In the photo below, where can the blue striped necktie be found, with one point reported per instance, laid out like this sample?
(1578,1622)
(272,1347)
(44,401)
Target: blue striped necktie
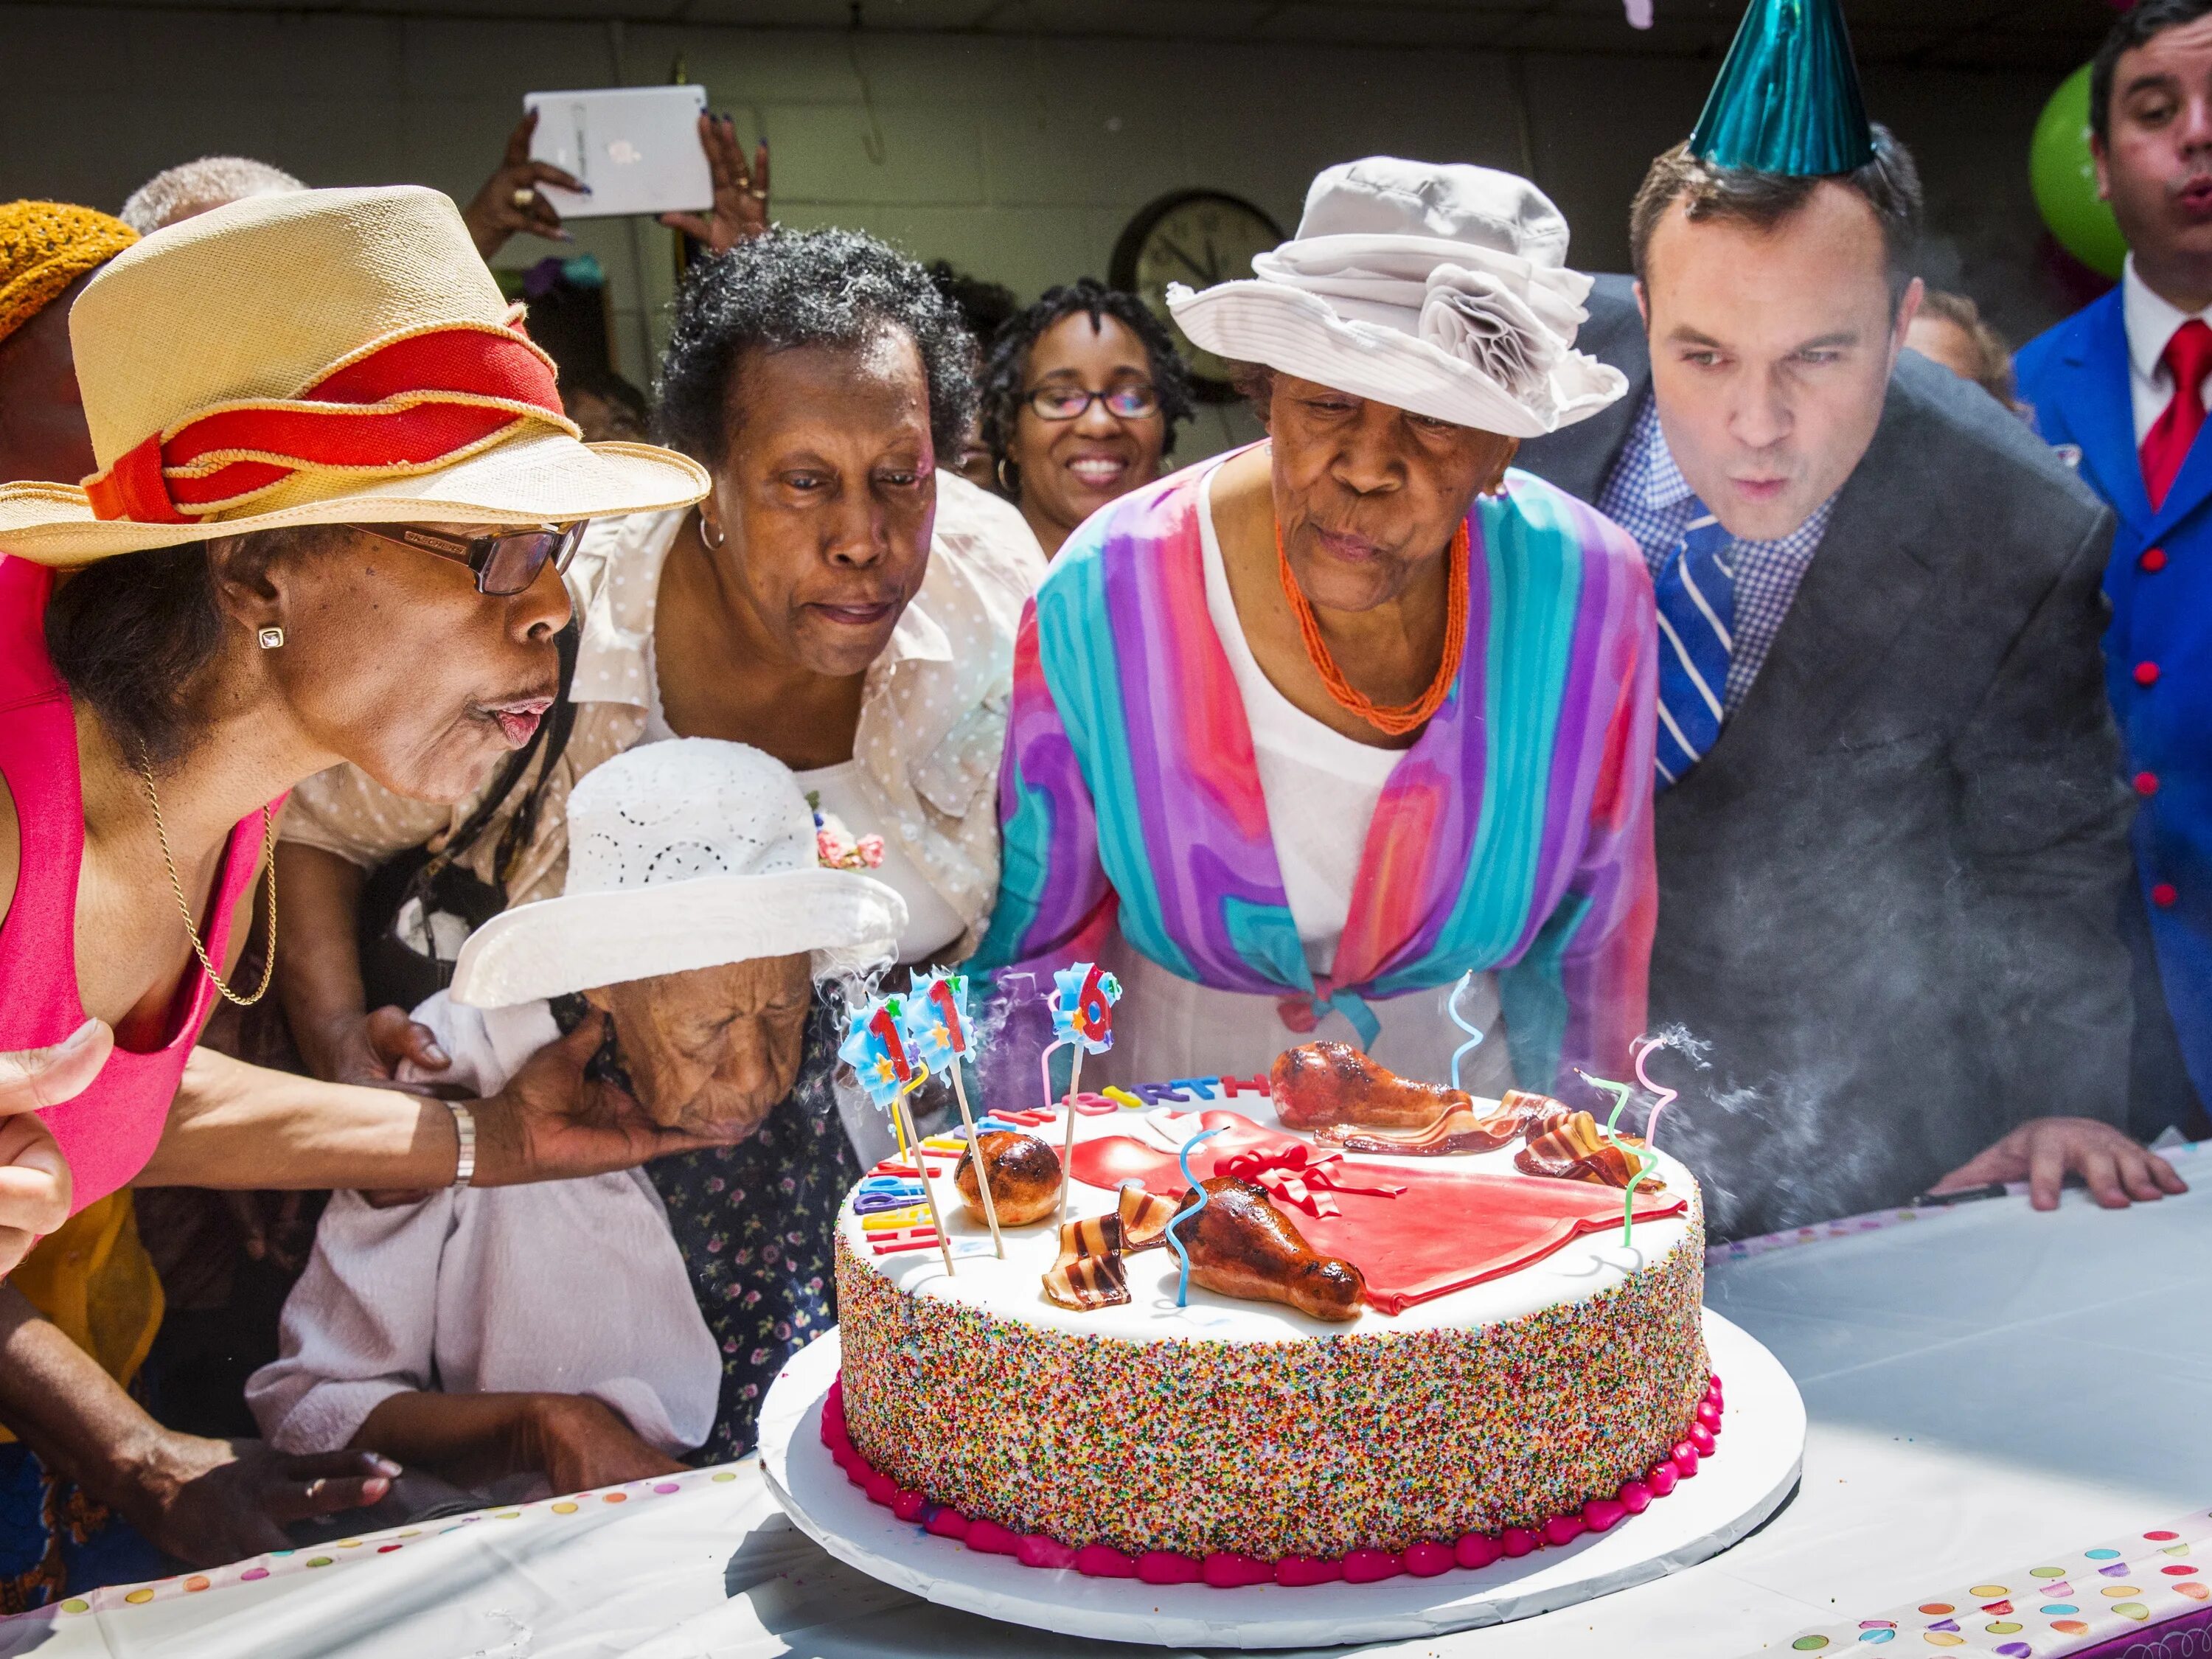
(1696,591)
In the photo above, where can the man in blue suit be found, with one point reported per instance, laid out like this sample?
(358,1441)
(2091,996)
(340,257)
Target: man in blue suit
(2122,384)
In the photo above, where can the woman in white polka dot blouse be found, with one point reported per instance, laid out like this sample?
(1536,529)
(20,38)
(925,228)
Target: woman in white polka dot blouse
(834,600)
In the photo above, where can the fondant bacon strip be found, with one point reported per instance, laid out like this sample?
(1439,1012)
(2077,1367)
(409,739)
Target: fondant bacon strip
(1568,1146)
(1088,1283)
(1144,1218)
(1140,1224)
(1094,1237)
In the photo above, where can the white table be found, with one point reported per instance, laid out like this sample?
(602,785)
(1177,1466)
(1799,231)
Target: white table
(1984,1385)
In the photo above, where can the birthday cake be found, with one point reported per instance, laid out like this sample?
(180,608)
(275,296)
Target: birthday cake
(1427,1335)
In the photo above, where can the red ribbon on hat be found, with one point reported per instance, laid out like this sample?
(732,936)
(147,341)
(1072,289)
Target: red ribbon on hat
(1297,1175)
(408,404)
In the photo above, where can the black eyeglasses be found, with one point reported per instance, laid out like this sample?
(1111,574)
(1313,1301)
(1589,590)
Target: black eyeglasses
(1132,400)
(503,565)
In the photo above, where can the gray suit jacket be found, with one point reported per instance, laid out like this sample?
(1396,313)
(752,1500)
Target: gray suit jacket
(1889,893)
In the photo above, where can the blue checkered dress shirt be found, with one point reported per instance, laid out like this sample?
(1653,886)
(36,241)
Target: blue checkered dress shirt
(1648,496)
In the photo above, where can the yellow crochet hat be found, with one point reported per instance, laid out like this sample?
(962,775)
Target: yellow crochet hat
(44,247)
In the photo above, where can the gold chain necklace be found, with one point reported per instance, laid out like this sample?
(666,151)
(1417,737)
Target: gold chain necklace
(269,863)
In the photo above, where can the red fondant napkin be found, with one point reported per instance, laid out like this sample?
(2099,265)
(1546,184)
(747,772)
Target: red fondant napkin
(1449,1229)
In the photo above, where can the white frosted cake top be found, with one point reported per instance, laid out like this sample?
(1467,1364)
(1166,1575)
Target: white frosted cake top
(1581,1267)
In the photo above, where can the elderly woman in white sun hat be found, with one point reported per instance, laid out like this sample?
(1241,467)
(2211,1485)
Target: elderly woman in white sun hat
(1302,736)
(334,485)
(576,1334)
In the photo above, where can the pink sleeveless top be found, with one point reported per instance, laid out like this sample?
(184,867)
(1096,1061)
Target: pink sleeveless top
(108,1132)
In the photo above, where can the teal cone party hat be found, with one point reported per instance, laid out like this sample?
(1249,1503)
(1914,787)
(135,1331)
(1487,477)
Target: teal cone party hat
(1787,100)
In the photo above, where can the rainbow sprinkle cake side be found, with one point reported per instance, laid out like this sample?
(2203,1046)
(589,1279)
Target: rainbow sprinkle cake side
(1373,1439)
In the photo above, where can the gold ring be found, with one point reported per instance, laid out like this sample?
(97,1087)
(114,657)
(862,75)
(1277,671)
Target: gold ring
(525,197)
(755,192)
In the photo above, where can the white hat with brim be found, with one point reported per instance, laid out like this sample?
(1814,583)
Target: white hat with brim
(847,921)
(1442,290)
(344,322)
(682,854)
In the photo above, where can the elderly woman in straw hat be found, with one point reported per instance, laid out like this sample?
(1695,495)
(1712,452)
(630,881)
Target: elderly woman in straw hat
(333,488)
(697,913)
(1303,737)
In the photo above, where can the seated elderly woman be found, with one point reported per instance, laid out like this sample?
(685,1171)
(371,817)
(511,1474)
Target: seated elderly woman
(837,600)
(519,1338)
(1301,736)
(1081,399)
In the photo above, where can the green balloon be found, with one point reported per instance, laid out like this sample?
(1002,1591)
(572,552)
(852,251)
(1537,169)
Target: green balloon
(2063,176)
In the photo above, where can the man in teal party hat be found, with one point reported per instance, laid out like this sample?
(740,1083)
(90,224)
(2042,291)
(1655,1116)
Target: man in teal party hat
(1891,834)
(2122,384)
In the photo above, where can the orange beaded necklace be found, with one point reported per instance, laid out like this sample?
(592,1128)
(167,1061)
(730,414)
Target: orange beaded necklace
(1393,722)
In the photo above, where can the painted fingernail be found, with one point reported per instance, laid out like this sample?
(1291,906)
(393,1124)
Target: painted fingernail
(385,1466)
(373,1490)
(434,1056)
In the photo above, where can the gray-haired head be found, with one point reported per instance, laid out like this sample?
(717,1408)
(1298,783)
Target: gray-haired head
(213,181)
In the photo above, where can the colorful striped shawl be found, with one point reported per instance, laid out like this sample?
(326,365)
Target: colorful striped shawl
(1516,834)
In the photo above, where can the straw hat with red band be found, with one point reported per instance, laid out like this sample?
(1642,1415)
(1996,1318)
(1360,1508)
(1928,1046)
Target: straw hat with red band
(320,357)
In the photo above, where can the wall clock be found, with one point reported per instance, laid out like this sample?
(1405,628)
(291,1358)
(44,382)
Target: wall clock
(1197,237)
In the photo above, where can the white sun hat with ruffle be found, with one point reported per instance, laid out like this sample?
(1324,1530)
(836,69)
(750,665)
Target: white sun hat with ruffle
(1441,289)
(682,854)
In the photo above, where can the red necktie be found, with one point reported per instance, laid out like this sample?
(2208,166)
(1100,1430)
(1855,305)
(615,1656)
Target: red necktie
(2188,359)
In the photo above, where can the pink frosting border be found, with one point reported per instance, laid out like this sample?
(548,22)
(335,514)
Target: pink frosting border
(1224,1571)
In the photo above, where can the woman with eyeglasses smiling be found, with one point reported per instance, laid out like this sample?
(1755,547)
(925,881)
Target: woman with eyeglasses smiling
(1081,399)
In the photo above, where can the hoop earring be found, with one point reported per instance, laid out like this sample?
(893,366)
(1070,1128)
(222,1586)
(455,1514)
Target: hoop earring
(270,638)
(1006,484)
(719,537)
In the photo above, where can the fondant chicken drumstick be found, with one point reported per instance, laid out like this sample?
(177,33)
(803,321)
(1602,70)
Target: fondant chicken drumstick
(1321,1083)
(1241,1245)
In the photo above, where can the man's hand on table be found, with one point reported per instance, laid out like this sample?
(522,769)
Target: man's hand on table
(211,1501)
(2116,1168)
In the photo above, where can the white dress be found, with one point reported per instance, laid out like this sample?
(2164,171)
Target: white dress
(1321,788)
(559,1286)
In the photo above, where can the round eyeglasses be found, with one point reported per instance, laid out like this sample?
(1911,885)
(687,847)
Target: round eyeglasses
(1132,400)
(503,565)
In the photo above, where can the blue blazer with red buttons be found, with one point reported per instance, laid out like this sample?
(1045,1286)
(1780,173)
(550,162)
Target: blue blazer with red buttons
(2158,649)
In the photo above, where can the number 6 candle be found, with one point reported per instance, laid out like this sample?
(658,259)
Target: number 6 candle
(1081,1001)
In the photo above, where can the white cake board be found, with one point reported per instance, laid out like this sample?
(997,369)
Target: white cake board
(1748,1478)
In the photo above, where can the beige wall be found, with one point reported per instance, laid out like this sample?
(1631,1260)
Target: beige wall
(1019,158)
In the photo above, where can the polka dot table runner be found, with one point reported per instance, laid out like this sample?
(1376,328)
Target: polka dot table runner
(348,1552)
(2143,1597)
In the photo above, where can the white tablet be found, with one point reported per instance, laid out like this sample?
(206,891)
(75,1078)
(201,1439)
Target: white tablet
(637,147)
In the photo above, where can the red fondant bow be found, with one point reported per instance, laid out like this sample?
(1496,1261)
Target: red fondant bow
(1298,1174)
(422,401)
